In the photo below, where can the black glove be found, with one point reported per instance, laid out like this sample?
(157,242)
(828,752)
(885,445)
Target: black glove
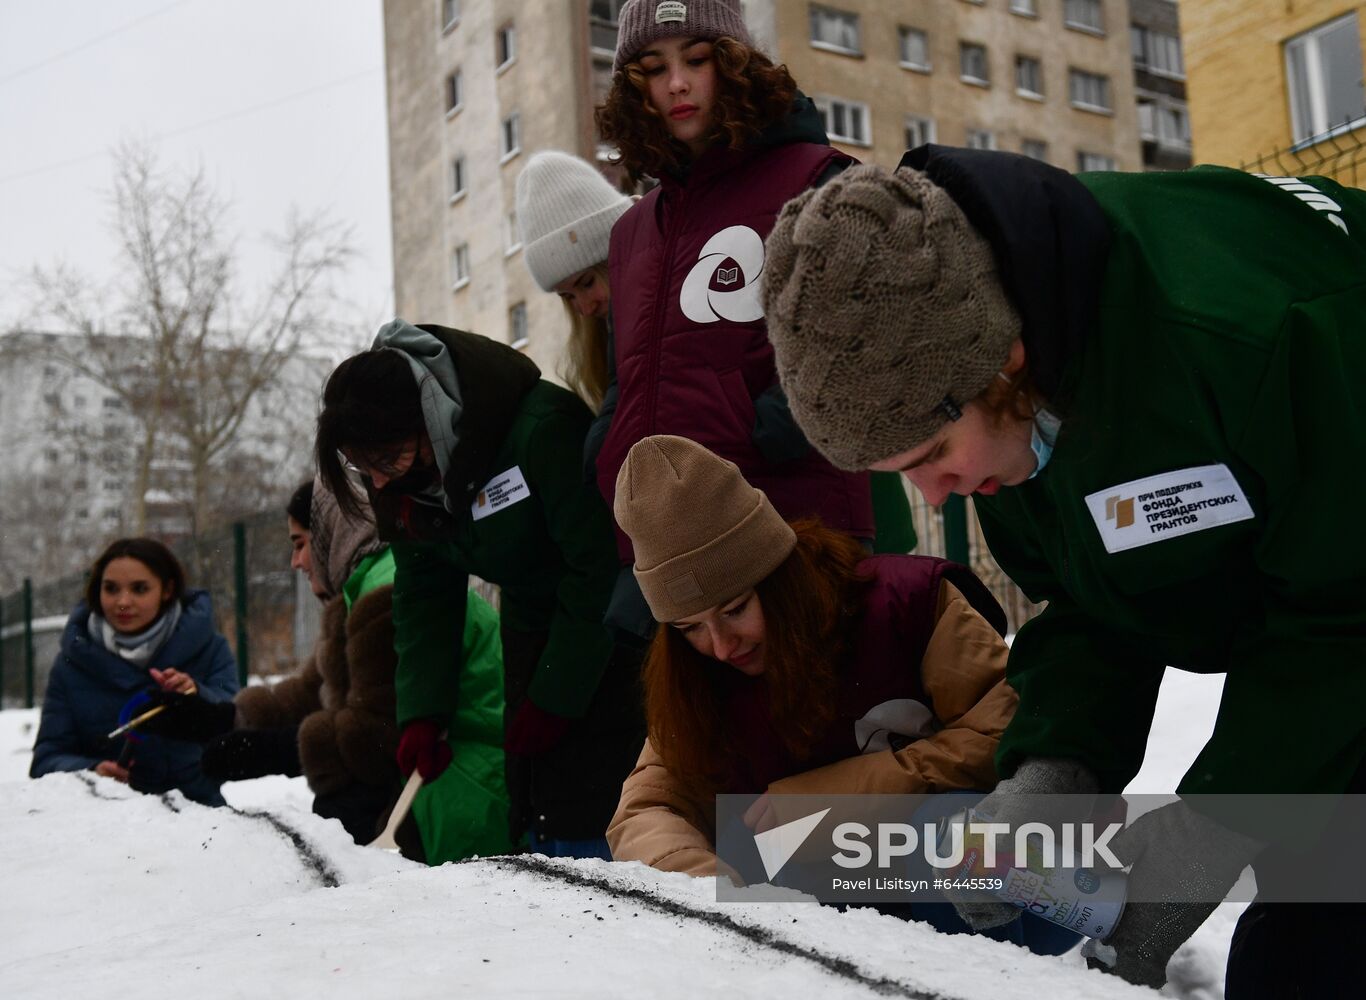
(188,717)
(252,753)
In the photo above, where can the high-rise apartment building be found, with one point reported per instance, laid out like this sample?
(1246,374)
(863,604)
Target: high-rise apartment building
(1164,125)
(1272,75)
(476,86)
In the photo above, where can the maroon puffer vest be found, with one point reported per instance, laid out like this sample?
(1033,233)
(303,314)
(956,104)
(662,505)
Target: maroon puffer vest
(692,349)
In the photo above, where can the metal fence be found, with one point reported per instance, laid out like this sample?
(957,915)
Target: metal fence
(1339,154)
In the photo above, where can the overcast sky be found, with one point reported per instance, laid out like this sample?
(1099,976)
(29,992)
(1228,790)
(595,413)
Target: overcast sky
(280,101)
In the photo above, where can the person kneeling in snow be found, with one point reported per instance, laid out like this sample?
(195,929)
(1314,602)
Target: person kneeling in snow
(782,643)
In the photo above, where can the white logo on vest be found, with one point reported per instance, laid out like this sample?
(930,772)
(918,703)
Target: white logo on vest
(702,303)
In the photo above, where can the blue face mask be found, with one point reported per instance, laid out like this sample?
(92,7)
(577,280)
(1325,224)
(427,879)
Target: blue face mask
(1043,434)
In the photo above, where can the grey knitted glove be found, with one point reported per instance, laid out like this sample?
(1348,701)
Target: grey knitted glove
(1015,802)
(1186,863)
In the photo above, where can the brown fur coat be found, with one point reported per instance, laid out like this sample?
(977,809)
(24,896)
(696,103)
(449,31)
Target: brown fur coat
(341,697)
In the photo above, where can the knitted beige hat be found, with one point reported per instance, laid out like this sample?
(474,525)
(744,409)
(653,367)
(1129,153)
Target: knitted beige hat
(702,535)
(885,311)
(644,21)
(565,214)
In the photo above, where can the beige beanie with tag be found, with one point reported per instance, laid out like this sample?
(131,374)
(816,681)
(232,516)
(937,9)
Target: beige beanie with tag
(702,534)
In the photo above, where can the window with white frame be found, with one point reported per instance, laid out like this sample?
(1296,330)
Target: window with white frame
(458,179)
(1029,8)
(1035,149)
(1157,52)
(510,137)
(603,16)
(972,64)
(919,130)
(506,47)
(455,92)
(1324,69)
(1164,121)
(512,236)
(1088,15)
(517,326)
(460,266)
(914,49)
(845,121)
(450,14)
(836,30)
(980,138)
(1094,161)
(1028,76)
(1089,91)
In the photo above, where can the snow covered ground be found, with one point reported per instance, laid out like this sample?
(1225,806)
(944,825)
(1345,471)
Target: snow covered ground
(106,891)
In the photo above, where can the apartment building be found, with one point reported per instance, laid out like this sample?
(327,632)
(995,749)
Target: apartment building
(1277,75)
(476,86)
(1160,84)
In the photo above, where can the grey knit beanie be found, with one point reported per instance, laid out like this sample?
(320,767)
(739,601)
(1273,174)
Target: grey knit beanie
(644,21)
(702,535)
(885,311)
(565,214)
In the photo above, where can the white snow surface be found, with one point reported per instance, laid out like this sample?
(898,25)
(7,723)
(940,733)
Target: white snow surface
(107,891)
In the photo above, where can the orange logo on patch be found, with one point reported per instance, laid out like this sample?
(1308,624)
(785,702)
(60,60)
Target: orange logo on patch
(1120,510)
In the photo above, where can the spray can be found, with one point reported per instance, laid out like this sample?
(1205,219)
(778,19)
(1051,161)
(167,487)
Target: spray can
(1089,901)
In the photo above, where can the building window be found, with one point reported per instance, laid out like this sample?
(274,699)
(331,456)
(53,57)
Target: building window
(506,52)
(112,403)
(511,141)
(918,131)
(457,179)
(78,401)
(835,30)
(1028,77)
(512,236)
(1089,91)
(1165,123)
(1085,15)
(460,266)
(914,49)
(602,26)
(1035,149)
(455,93)
(450,14)
(972,64)
(980,138)
(1324,70)
(845,121)
(1029,8)
(1157,52)
(517,326)
(1094,161)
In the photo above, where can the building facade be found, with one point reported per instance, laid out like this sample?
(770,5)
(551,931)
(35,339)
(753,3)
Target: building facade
(1164,126)
(1277,76)
(476,86)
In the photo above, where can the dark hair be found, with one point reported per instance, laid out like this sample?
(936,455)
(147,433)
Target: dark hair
(148,551)
(810,603)
(300,506)
(370,405)
(751,94)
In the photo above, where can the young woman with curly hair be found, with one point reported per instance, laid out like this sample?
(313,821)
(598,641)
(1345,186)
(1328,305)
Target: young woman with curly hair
(790,662)
(730,138)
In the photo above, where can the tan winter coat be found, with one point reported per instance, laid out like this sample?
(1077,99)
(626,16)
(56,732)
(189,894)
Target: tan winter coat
(963,675)
(342,698)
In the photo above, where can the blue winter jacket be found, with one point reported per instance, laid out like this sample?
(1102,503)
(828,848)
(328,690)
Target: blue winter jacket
(89,685)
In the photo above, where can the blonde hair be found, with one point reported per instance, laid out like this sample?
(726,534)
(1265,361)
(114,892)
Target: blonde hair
(586,362)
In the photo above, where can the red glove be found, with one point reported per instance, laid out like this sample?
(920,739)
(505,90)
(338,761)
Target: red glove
(420,746)
(534,730)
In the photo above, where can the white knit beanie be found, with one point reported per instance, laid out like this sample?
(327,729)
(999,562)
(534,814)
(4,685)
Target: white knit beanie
(565,211)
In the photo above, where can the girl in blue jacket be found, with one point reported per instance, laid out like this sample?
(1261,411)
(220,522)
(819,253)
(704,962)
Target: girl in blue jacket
(137,620)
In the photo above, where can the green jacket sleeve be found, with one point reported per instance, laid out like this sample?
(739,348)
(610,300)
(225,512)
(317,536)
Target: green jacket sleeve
(1306,664)
(430,581)
(580,527)
(1085,693)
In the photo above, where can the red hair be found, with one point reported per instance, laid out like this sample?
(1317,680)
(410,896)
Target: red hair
(810,604)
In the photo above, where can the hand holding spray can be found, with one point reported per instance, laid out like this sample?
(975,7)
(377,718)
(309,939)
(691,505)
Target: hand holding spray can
(1085,899)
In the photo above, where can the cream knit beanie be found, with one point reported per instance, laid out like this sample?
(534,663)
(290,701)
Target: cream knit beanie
(565,214)
(702,535)
(885,310)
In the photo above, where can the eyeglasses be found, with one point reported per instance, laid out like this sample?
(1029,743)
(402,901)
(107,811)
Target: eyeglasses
(404,459)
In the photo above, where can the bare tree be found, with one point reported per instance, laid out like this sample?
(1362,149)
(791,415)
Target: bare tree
(186,353)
